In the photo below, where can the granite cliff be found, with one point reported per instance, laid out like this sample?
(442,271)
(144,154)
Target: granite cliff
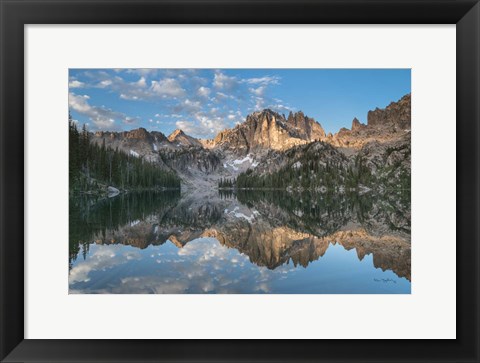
(268,141)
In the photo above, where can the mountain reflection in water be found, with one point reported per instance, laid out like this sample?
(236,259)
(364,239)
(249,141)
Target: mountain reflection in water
(244,242)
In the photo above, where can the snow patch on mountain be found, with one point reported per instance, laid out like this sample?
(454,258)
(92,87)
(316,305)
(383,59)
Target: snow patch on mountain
(241,161)
(244,163)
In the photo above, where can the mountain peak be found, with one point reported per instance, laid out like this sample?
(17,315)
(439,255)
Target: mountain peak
(356,125)
(268,110)
(307,127)
(181,138)
(267,129)
(176,133)
(396,113)
(265,112)
(140,133)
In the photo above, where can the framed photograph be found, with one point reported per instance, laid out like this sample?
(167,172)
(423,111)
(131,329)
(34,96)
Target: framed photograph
(239,181)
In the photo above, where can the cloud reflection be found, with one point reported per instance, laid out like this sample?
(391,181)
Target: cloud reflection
(102,259)
(206,266)
(191,269)
(186,247)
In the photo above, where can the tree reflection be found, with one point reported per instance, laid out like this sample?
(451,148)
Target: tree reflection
(272,228)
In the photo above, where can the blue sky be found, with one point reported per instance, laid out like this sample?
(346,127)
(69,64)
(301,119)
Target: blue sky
(203,102)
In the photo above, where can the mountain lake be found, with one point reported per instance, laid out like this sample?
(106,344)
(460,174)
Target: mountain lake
(241,242)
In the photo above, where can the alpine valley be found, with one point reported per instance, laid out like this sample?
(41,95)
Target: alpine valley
(277,151)
(273,205)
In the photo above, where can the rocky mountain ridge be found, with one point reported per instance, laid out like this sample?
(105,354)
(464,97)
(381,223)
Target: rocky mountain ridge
(267,141)
(179,138)
(383,125)
(268,130)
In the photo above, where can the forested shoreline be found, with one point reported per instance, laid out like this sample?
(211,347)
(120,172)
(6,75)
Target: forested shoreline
(311,173)
(93,168)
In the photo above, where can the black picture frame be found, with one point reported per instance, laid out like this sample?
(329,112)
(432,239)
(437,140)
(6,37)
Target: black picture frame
(15,14)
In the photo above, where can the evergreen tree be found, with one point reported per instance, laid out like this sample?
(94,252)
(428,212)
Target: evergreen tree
(90,164)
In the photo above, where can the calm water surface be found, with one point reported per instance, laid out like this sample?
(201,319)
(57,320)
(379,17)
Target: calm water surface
(248,242)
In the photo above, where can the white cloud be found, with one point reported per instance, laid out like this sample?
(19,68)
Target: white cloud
(203,91)
(172,115)
(124,96)
(222,81)
(188,106)
(235,88)
(167,87)
(220,96)
(190,127)
(142,82)
(105,83)
(182,94)
(127,90)
(258,91)
(262,80)
(103,118)
(204,125)
(76,84)
(259,103)
(143,71)
(141,89)
(281,108)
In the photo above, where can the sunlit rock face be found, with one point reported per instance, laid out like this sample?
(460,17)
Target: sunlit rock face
(397,114)
(388,125)
(347,195)
(179,138)
(267,141)
(269,130)
(357,125)
(305,127)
